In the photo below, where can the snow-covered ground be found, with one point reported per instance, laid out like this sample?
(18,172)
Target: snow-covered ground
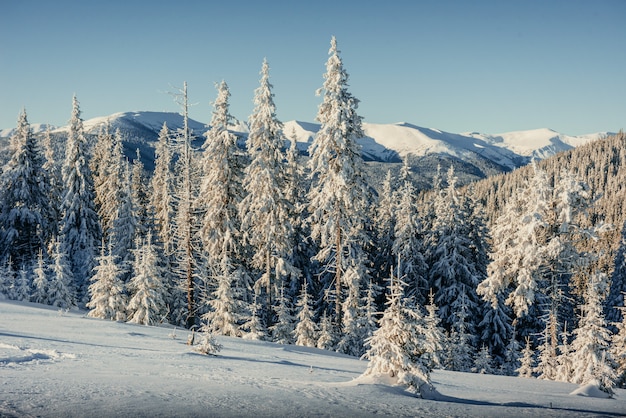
(63,364)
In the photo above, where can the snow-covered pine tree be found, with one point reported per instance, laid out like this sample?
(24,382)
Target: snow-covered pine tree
(162,190)
(108,299)
(52,168)
(23,287)
(527,362)
(517,254)
(61,291)
(283,330)
(385,225)
(80,227)
(7,278)
(591,356)
(453,274)
(146,288)
(461,345)
(434,333)
(618,347)
(339,195)
(254,328)
(25,211)
(547,363)
(483,363)
(110,184)
(353,334)
(565,366)
(397,349)
(512,356)
(139,195)
(101,165)
(407,243)
(219,230)
(306,330)
(495,330)
(264,211)
(326,339)
(40,281)
(124,227)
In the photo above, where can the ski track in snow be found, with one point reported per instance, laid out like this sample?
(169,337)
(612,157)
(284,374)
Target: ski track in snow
(63,364)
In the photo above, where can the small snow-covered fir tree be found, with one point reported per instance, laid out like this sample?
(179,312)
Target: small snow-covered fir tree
(398,347)
(326,339)
(22,289)
(512,355)
(61,291)
(434,333)
(147,301)
(591,356)
(527,362)
(547,360)
(461,348)
(225,311)
(162,189)
(7,278)
(208,344)
(483,361)
(283,330)
(306,329)
(495,329)
(108,300)
(254,328)
(40,281)
(565,366)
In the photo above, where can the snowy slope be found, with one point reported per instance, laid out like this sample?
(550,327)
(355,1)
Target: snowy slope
(63,364)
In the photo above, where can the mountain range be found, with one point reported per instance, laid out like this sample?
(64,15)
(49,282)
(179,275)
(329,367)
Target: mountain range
(476,154)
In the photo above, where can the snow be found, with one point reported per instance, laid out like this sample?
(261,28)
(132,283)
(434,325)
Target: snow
(539,143)
(58,363)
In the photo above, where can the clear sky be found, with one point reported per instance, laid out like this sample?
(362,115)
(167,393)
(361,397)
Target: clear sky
(487,66)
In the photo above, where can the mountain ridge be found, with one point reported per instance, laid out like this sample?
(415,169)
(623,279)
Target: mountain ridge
(485,154)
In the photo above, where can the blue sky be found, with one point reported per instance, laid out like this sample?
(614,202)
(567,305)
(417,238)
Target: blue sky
(487,66)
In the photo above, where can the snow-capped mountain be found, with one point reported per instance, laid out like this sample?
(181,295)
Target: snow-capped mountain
(480,154)
(36,127)
(537,143)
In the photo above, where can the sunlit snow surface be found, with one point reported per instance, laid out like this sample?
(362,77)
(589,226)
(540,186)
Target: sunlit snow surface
(63,364)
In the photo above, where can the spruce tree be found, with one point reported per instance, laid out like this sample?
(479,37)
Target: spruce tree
(283,330)
(306,330)
(80,227)
(108,300)
(219,229)
(591,356)
(146,288)
(40,281)
(25,211)
(264,211)
(398,347)
(527,361)
(61,290)
(407,244)
(339,195)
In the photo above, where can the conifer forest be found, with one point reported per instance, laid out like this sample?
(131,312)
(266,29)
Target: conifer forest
(521,273)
